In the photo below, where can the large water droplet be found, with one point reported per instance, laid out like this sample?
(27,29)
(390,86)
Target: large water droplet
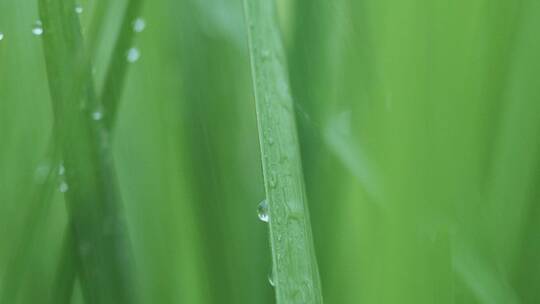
(37,30)
(139,25)
(262,211)
(63,187)
(133,54)
(1,36)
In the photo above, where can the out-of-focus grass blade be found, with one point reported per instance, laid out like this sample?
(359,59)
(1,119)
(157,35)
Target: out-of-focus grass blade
(101,240)
(66,273)
(295,271)
(116,72)
(40,198)
(64,282)
(65,277)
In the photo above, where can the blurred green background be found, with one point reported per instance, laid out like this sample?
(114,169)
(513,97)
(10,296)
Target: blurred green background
(419,123)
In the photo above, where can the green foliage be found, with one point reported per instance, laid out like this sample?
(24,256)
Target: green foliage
(417,121)
(294,272)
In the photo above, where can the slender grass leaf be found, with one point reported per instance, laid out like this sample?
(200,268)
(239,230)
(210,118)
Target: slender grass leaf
(295,268)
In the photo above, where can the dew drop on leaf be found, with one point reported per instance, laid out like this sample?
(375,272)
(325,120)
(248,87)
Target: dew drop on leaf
(78,9)
(37,30)
(271,278)
(262,211)
(63,187)
(133,54)
(97,115)
(139,25)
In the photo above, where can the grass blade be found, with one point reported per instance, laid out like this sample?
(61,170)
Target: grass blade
(93,200)
(66,272)
(116,72)
(296,276)
(41,198)
(66,275)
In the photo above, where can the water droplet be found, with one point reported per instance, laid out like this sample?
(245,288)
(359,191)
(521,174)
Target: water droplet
(78,9)
(42,171)
(271,279)
(97,115)
(262,211)
(61,169)
(1,36)
(139,25)
(133,54)
(63,187)
(37,30)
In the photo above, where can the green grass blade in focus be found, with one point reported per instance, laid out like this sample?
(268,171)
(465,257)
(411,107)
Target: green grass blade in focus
(295,271)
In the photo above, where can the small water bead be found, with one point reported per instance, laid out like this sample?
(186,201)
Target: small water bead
(262,211)
(61,169)
(1,36)
(139,25)
(37,30)
(271,279)
(133,54)
(63,187)
(97,115)
(79,9)
(42,171)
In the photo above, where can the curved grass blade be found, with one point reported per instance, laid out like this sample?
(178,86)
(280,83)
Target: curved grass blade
(93,200)
(296,276)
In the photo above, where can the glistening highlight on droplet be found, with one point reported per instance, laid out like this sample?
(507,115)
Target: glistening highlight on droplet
(133,54)
(97,115)
(78,9)
(139,25)
(63,187)
(37,30)
(262,211)
(271,278)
